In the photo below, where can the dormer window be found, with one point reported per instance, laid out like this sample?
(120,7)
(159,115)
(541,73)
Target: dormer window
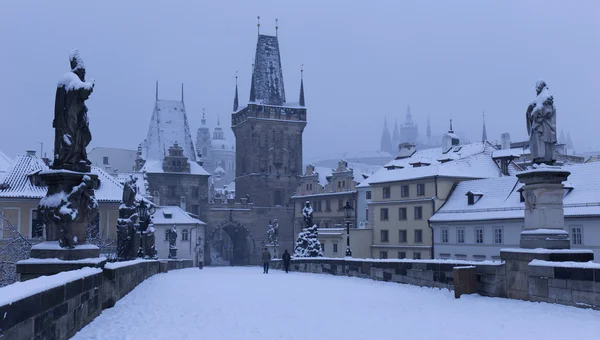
(473,197)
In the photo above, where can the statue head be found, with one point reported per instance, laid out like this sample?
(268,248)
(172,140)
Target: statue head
(77,65)
(539,86)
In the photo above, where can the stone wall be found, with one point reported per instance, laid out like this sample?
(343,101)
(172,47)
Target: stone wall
(55,313)
(73,302)
(491,280)
(120,278)
(180,264)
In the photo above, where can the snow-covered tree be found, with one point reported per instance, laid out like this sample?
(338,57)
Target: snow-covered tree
(307,244)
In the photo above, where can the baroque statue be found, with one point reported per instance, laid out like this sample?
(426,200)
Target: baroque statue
(541,126)
(72,132)
(307,213)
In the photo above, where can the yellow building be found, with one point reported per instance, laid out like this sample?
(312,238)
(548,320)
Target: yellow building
(20,194)
(412,187)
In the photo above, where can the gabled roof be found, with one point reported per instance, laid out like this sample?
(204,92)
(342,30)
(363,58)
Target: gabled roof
(17,181)
(171,215)
(267,75)
(168,125)
(501,197)
(462,161)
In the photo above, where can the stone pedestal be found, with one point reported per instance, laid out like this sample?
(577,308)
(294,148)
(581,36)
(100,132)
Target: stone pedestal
(273,249)
(543,192)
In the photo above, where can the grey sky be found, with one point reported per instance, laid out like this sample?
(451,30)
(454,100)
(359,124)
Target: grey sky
(363,61)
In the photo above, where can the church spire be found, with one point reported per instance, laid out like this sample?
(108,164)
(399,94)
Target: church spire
(428,129)
(386,140)
(408,115)
(157,90)
(252,92)
(451,130)
(301,101)
(235,99)
(182,92)
(484,133)
(203,117)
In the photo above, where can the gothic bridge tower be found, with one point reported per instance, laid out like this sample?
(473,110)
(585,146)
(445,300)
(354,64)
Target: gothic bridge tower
(268,132)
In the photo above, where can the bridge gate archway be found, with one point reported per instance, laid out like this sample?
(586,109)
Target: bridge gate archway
(230,243)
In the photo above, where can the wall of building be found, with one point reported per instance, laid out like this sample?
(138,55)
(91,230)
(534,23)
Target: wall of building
(511,235)
(186,249)
(184,185)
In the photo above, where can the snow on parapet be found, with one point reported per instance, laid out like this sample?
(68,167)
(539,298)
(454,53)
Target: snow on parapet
(168,125)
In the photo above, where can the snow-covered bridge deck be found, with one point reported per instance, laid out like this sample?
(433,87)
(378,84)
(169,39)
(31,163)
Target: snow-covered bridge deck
(243,303)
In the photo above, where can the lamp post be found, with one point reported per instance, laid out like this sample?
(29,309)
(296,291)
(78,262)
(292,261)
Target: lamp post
(142,214)
(348,211)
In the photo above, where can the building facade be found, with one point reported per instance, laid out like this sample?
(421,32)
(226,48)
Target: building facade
(190,233)
(412,187)
(484,216)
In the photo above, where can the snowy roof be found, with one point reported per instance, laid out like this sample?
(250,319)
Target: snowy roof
(5,162)
(171,215)
(462,161)
(267,76)
(19,185)
(501,198)
(353,155)
(359,172)
(168,125)
(508,153)
(157,167)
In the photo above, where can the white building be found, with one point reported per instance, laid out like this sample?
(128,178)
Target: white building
(190,233)
(483,216)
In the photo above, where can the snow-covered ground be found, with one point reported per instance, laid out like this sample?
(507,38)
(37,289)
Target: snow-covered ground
(243,303)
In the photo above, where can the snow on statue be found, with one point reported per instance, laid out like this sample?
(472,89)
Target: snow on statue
(307,244)
(541,125)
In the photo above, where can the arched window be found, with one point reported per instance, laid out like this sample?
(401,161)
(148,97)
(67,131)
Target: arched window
(184,235)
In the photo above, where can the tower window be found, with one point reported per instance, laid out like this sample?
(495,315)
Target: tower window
(105,160)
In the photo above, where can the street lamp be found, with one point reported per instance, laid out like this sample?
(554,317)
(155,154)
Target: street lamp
(348,210)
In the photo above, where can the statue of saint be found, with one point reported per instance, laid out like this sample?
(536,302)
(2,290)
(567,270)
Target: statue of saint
(307,213)
(129,192)
(541,126)
(72,132)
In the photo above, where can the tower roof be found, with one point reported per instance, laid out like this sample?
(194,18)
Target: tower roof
(267,75)
(168,125)
(484,133)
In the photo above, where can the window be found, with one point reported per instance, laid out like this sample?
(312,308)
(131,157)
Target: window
(498,235)
(277,197)
(368,193)
(184,235)
(384,236)
(335,248)
(383,254)
(167,231)
(195,192)
(171,191)
(105,160)
(417,255)
(444,235)
(340,204)
(402,236)
(308,186)
(37,227)
(478,235)
(383,214)
(402,214)
(323,247)
(576,235)
(418,236)
(195,209)
(401,254)
(420,189)
(387,192)
(460,235)
(328,205)
(320,205)
(404,191)
(418,213)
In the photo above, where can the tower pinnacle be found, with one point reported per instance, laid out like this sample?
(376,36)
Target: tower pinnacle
(157,90)
(301,100)
(235,99)
(258,23)
(276,27)
(484,133)
(203,117)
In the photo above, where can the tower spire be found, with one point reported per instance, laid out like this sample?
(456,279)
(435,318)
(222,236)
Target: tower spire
(252,91)
(258,24)
(484,133)
(301,101)
(182,92)
(428,129)
(451,130)
(235,99)
(276,27)
(203,117)
(157,90)
(408,114)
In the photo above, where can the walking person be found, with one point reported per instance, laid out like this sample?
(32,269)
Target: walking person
(266,257)
(286,260)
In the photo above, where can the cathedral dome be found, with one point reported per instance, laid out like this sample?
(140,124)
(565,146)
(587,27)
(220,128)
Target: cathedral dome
(222,144)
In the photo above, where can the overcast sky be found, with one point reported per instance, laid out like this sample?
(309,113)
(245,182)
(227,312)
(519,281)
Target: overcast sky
(363,61)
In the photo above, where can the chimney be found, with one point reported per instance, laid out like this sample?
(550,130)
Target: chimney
(505,141)
(30,152)
(183,204)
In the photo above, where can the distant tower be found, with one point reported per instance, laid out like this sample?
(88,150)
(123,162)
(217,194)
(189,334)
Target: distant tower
(204,144)
(484,133)
(428,131)
(268,133)
(409,130)
(569,141)
(386,140)
(562,139)
(395,135)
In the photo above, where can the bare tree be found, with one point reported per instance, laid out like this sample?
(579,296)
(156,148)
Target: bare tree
(15,247)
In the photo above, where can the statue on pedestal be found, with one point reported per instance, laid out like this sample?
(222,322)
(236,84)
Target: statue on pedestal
(72,132)
(127,224)
(541,126)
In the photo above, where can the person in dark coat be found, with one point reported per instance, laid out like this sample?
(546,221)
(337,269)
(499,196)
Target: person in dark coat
(266,258)
(286,260)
